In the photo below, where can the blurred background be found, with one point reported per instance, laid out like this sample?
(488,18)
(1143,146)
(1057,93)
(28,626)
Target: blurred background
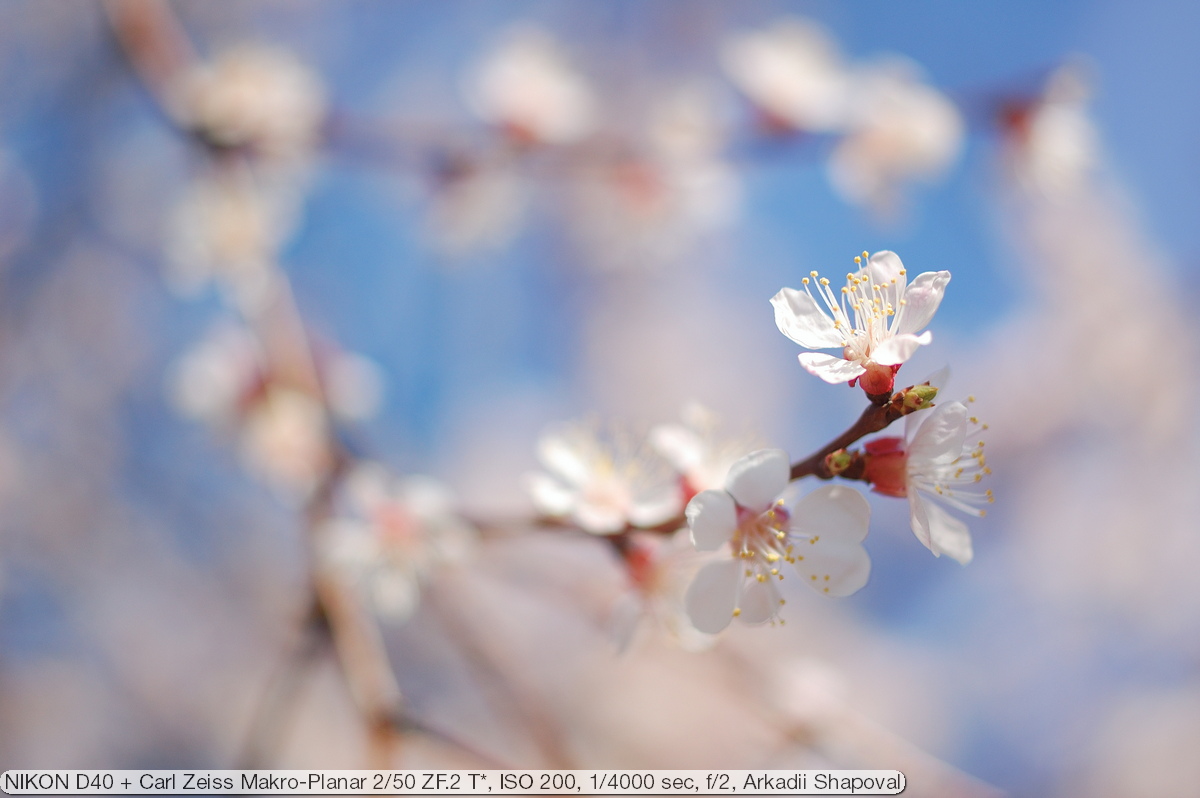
(248,247)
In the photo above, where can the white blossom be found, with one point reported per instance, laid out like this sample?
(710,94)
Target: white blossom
(876,320)
(758,518)
(389,534)
(1054,144)
(603,481)
(940,463)
(255,96)
(529,88)
(899,130)
(793,72)
(695,449)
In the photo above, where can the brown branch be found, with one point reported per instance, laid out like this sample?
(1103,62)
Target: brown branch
(875,418)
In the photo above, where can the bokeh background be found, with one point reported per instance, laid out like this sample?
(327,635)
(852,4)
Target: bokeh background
(151,579)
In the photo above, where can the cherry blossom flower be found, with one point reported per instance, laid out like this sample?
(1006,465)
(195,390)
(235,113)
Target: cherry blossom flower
(254,96)
(1053,144)
(528,88)
(648,206)
(285,440)
(899,130)
(696,451)
(793,72)
(758,517)
(389,534)
(939,461)
(284,431)
(875,321)
(603,481)
(228,228)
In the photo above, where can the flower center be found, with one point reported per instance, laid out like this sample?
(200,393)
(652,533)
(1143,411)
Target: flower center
(762,540)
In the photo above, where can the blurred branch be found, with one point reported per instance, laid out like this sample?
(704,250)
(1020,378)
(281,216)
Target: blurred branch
(156,45)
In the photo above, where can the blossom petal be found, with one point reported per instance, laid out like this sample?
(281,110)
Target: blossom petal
(562,453)
(549,495)
(939,440)
(899,348)
(833,567)
(918,518)
(921,300)
(681,446)
(832,511)
(829,368)
(759,601)
(798,316)
(599,518)
(653,508)
(712,596)
(757,479)
(885,266)
(712,518)
(939,531)
(949,535)
(832,560)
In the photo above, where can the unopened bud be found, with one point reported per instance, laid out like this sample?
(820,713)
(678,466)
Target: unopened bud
(919,396)
(837,462)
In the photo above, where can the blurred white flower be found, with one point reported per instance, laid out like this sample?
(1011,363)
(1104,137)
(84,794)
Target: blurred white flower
(285,439)
(793,72)
(215,379)
(389,534)
(603,480)
(528,88)
(1054,146)
(254,96)
(660,569)
(228,228)
(875,320)
(941,462)
(644,208)
(899,130)
(758,517)
(221,378)
(696,451)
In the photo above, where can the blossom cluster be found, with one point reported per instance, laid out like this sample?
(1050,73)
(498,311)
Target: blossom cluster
(742,506)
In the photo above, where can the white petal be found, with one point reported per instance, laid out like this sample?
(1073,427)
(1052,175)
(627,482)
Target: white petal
(885,266)
(832,560)
(712,519)
(759,601)
(921,301)
(681,446)
(832,511)
(798,316)
(549,495)
(948,535)
(757,479)
(918,517)
(899,348)
(829,368)
(940,438)
(652,509)
(833,567)
(562,455)
(712,595)
(599,518)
